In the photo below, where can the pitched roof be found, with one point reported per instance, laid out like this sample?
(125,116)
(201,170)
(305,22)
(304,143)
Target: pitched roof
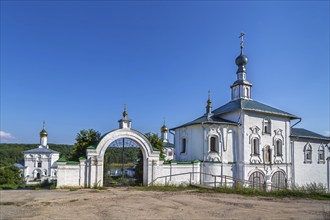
(207,120)
(251,105)
(301,132)
(41,150)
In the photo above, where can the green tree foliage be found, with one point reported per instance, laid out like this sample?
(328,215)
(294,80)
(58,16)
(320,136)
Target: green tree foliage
(84,139)
(156,143)
(114,155)
(10,175)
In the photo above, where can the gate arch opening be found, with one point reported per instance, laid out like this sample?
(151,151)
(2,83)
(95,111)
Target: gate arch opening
(95,157)
(123,164)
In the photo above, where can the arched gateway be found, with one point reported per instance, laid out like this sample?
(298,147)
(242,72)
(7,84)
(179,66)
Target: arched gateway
(88,172)
(95,157)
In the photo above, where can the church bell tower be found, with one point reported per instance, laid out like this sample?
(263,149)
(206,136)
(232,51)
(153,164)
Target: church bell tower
(241,88)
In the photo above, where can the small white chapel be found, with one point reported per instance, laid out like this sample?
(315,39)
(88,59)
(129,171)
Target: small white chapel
(40,162)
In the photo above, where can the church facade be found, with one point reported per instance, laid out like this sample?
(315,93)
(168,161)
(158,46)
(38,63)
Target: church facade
(253,142)
(40,162)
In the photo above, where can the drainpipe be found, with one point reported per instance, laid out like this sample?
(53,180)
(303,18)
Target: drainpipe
(328,173)
(296,123)
(293,174)
(202,167)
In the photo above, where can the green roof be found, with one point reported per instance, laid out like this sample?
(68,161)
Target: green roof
(62,159)
(301,132)
(251,105)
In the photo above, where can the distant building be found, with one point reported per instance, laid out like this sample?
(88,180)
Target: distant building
(40,162)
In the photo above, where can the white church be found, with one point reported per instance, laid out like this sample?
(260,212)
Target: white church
(40,162)
(241,142)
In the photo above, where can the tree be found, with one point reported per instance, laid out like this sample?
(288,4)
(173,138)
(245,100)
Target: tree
(10,175)
(155,141)
(84,139)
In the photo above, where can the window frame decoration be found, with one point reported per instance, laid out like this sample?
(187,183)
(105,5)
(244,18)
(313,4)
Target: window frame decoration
(255,146)
(279,147)
(254,141)
(213,145)
(279,150)
(308,153)
(267,126)
(321,154)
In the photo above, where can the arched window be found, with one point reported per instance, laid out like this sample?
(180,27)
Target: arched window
(308,154)
(183,145)
(267,154)
(278,145)
(257,180)
(321,154)
(255,146)
(266,128)
(213,144)
(278,180)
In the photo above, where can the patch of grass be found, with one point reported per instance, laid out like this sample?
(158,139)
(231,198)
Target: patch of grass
(165,188)
(7,203)
(73,200)
(71,188)
(10,186)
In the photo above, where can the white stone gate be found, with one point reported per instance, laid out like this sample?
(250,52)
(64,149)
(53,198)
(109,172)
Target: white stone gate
(95,157)
(88,172)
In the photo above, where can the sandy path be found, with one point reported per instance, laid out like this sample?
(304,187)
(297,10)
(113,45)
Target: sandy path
(124,203)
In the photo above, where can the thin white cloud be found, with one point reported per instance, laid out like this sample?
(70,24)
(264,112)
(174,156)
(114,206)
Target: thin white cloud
(6,136)
(327,133)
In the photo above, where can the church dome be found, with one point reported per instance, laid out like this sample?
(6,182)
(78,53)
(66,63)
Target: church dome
(241,60)
(163,129)
(43,133)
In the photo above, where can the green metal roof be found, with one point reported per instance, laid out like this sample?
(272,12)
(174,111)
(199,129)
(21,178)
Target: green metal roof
(301,132)
(251,105)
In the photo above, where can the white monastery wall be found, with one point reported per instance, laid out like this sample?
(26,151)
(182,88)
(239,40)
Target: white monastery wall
(314,170)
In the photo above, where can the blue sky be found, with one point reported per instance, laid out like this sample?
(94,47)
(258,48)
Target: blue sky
(75,63)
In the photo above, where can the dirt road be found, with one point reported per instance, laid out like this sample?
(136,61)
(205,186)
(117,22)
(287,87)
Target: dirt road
(125,203)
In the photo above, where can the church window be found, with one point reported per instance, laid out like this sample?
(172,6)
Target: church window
(39,164)
(257,180)
(183,145)
(267,154)
(255,146)
(278,144)
(266,126)
(308,153)
(213,144)
(321,154)
(278,180)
